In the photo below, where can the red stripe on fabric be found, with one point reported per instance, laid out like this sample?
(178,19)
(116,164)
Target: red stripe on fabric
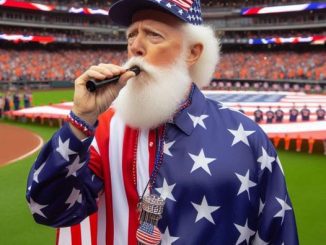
(57,236)
(102,137)
(151,150)
(95,163)
(129,156)
(76,235)
(93,224)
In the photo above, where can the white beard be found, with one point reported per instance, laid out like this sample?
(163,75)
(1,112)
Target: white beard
(151,98)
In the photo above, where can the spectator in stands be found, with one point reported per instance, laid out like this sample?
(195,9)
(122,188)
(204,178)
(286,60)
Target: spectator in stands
(305,113)
(293,114)
(270,115)
(320,112)
(279,114)
(259,115)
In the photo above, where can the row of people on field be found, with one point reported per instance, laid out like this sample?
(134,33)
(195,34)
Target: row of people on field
(14,101)
(266,86)
(277,116)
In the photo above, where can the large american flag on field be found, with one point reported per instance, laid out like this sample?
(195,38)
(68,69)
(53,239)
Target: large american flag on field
(221,178)
(246,100)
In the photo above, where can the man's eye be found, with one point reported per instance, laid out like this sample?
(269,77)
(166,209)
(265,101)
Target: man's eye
(131,35)
(154,34)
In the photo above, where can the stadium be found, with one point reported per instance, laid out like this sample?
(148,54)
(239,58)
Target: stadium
(272,68)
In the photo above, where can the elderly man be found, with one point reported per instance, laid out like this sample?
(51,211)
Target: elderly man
(156,133)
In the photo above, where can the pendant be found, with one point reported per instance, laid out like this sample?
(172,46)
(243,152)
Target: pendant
(151,209)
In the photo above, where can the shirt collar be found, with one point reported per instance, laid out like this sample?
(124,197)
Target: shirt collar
(197,105)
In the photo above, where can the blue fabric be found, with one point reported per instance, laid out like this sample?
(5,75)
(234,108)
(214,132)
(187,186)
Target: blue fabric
(222,179)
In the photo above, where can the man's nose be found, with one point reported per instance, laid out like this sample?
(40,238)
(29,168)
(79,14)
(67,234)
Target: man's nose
(137,47)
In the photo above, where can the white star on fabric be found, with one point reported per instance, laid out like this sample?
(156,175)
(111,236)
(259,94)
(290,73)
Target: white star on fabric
(159,1)
(36,208)
(75,196)
(169,5)
(167,147)
(37,172)
(240,135)
(166,191)
(201,161)
(246,183)
(266,160)
(180,11)
(64,149)
(279,164)
(245,233)
(258,241)
(204,210)
(74,167)
(167,239)
(284,207)
(198,120)
(261,207)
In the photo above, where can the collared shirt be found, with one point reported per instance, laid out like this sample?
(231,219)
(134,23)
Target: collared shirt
(221,178)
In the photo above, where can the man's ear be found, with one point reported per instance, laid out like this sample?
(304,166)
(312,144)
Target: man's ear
(194,53)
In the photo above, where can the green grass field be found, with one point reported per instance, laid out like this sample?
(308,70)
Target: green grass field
(305,175)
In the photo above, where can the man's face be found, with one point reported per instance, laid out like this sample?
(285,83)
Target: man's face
(158,43)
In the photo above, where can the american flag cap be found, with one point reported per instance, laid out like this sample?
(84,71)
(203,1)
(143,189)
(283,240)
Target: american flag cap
(188,11)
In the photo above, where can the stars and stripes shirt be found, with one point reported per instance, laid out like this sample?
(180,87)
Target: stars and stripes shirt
(221,178)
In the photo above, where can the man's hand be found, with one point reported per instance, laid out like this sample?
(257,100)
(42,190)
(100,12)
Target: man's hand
(89,105)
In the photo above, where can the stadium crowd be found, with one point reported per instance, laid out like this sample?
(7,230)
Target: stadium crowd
(67,64)
(273,65)
(58,65)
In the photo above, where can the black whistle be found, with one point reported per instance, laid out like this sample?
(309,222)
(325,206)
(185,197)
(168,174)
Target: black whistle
(92,85)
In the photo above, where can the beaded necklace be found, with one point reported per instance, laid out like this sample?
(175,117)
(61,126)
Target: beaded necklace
(151,206)
(160,147)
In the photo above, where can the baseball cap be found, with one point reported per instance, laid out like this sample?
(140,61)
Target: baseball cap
(188,11)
